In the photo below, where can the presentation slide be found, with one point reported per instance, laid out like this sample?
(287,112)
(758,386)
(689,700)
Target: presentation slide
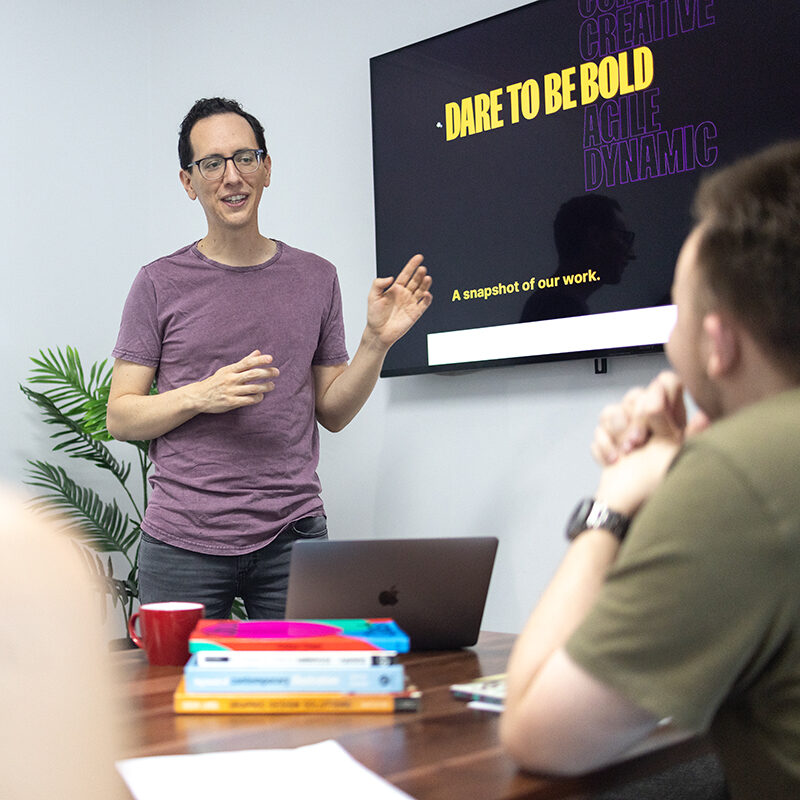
(544,161)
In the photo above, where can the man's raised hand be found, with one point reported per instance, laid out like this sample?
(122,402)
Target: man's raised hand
(395,304)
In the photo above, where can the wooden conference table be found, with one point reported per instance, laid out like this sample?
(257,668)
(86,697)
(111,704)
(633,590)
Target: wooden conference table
(444,751)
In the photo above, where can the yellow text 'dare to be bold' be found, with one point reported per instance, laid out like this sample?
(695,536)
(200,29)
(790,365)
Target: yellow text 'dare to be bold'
(623,73)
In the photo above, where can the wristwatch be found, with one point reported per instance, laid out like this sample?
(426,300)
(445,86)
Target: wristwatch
(591,513)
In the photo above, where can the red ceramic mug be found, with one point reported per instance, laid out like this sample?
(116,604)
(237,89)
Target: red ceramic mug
(166,628)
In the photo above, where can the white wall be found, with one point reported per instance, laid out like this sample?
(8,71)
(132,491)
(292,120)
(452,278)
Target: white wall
(94,91)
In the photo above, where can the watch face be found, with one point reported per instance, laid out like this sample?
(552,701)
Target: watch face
(592,514)
(577,521)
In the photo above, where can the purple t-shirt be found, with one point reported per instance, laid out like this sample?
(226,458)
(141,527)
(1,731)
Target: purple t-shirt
(229,483)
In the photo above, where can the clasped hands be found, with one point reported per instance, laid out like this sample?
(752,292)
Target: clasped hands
(636,440)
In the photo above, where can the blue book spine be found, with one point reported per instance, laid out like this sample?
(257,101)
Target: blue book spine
(369,680)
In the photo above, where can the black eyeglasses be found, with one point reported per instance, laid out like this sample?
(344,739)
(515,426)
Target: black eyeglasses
(213,167)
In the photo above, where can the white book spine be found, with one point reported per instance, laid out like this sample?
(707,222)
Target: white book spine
(262,659)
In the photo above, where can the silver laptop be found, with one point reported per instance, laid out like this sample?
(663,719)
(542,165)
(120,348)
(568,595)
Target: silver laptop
(435,589)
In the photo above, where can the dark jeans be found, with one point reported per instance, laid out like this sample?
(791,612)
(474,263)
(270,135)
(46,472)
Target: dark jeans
(260,578)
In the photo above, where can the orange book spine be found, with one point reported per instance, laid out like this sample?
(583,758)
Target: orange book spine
(300,703)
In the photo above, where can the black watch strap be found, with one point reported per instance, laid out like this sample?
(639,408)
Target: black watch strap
(591,514)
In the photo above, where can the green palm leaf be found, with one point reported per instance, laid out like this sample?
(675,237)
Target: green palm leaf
(101,525)
(74,402)
(64,372)
(75,441)
(94,416)
(71,392)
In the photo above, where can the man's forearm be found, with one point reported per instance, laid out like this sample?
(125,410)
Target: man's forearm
(351,388)
(544,689)
(559,717)
(134,414)
(561,609)
(624,486)
(133,417)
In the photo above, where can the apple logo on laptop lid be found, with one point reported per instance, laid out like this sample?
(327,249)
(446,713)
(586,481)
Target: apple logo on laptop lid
(388,597)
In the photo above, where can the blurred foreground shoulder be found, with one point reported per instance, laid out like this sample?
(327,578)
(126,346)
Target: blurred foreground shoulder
(58,729)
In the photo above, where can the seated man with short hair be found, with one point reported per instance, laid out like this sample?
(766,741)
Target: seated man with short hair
(692,613)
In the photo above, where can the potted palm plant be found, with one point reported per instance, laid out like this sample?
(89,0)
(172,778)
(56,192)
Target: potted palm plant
(74,403)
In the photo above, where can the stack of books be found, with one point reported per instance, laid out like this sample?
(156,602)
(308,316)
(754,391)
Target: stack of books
(295,667)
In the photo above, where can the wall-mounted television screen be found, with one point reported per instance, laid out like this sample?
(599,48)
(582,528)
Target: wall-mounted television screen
(544,160)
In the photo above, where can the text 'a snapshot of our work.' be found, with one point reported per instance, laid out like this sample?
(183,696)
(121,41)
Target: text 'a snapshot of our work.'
(528,285)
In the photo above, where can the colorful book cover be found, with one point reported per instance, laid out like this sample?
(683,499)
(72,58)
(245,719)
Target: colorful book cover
(491,689)
(185,702)
(269,659)
(288,634)
(364,680)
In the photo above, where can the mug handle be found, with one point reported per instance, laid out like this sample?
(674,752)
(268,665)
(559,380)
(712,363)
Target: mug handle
(132,630)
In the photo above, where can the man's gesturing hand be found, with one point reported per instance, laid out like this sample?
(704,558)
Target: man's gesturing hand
(241,384)
(395,304)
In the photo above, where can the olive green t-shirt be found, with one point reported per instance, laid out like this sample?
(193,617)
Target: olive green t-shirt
(699,619)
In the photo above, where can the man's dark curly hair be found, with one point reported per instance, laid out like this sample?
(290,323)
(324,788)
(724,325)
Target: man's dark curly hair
(208,107)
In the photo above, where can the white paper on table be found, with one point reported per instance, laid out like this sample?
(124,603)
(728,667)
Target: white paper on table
(318,770)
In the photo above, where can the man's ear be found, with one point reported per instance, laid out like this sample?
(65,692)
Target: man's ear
(722,344)
(267,169)
(186,180)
